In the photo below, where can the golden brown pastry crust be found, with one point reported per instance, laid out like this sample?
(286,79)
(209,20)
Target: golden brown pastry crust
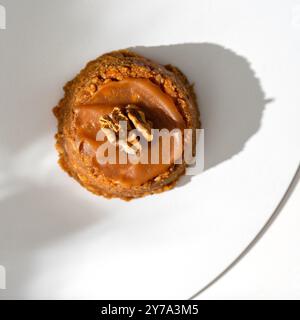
(117,66)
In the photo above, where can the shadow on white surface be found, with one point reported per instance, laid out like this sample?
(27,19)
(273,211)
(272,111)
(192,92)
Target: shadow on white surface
(33,220)
(230,97)
(35,212)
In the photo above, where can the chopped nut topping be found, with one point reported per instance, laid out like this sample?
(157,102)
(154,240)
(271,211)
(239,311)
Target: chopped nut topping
(134,118)
(139,121)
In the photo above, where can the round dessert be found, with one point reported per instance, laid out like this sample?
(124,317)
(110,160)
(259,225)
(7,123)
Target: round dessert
(110,123)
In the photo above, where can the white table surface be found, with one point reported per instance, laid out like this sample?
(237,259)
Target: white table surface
(57,240)
(271,270)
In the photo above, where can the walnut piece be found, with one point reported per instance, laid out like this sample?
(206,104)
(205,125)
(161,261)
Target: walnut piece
(134,118)
(107,122)
(138,119)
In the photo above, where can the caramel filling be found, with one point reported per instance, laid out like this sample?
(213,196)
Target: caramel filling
(159,108)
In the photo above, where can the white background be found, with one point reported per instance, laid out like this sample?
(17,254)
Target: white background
(59,241)
(272,269)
